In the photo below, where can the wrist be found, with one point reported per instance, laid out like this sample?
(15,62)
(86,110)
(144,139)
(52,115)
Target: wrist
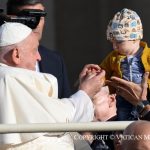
(140,106)
(146,114)
(143,108)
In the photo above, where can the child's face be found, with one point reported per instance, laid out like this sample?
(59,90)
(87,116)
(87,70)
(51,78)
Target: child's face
(125,47)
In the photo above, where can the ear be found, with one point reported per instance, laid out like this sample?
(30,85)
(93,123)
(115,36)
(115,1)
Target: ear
(16,56)
(112,100)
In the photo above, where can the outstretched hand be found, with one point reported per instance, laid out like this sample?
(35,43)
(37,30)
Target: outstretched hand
(132,92)
(91,79)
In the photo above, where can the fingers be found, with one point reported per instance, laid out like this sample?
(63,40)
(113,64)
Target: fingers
(90,75)
(101,75)
(126,94)
(120,81)
(89,68)
(99,78)
(112,86)
(91,71)
(111,83)
(93,85)
(144,86)
(92,66)
(145,79)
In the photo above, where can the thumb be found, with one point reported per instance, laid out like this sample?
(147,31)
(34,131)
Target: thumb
(144,85)
(145,80)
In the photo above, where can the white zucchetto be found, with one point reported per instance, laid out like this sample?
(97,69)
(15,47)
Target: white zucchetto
(12,33)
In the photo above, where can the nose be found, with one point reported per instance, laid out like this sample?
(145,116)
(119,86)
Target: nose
(38,56)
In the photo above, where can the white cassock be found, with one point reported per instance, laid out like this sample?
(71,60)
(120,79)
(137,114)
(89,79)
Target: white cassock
(31,97)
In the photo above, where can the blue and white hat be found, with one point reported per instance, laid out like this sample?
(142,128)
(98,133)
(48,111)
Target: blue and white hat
(125,25)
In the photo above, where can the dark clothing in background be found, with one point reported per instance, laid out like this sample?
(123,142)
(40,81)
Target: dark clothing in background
(53,63)
(104,141)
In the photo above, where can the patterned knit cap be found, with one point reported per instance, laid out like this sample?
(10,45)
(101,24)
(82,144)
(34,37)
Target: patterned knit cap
(125,25)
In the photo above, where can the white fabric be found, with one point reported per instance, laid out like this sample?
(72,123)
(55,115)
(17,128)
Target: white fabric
(44,143)
(37,68)
(12,33)
(31,97)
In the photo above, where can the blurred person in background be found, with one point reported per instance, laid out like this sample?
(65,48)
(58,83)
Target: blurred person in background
(136,136)
(104,110)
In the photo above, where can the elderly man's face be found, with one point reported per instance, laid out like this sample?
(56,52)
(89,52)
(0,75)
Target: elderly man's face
(29,54)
